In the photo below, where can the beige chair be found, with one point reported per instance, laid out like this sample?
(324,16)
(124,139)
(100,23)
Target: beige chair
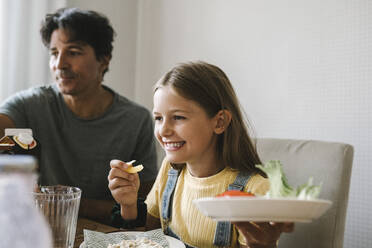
(327,162)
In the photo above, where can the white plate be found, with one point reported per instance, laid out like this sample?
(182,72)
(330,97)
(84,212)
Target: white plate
(173,242)
(262,209)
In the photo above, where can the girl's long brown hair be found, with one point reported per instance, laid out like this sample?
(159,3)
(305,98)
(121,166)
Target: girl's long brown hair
(209,86)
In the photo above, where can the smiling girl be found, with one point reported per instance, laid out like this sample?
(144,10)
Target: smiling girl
(200,126)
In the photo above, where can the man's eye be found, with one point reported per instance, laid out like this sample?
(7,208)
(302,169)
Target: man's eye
(74,53)
(54,54)
(178,117)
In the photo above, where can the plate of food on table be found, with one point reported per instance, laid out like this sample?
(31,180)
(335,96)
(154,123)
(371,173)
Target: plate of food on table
(150,239)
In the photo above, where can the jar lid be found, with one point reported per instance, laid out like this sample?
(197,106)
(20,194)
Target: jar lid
(16,131)
(17,163)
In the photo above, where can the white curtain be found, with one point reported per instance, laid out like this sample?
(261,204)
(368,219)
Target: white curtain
(23,58)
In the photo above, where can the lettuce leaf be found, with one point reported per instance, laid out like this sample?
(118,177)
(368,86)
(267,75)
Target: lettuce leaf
(279,186)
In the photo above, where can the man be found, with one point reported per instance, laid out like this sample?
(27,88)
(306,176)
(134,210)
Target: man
(80,123)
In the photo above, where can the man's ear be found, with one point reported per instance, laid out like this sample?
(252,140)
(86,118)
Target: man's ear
(105,61)
(223,119)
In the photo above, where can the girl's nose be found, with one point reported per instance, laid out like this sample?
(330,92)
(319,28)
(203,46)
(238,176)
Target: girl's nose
(165,129)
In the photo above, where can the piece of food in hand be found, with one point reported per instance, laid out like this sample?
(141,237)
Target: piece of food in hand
(279,186)
(133,169)
(130,162)
(233,193)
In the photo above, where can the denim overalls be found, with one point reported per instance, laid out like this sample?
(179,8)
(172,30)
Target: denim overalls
(222,234)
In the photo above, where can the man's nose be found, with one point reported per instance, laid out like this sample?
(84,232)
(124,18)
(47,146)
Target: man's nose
(61,61)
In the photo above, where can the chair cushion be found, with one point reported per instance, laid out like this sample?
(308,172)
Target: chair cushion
(328,163)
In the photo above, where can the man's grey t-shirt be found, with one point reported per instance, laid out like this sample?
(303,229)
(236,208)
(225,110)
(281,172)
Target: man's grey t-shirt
(76,151)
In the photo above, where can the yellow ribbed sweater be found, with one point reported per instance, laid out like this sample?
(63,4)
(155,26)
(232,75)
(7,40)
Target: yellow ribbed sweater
(187,221)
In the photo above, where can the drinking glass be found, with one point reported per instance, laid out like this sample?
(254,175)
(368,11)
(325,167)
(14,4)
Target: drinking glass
(60,206)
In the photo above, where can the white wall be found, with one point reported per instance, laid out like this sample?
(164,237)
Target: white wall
(23,57)
(301,68)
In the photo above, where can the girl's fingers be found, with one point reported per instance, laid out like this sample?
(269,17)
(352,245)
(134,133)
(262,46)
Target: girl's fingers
(124,194)
(250,232)
(272,226)
(122,189)
(262,232)
(286,226)
(118,178)
(256,231)
(117,172)
(118,182)
(115,163)
(251,226)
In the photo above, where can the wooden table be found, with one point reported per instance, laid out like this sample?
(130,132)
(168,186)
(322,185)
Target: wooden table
(90,225)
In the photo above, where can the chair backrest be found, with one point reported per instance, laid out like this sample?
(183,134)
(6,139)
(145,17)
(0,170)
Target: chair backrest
(328,163)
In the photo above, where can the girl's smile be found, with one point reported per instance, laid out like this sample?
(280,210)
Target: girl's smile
(173,146)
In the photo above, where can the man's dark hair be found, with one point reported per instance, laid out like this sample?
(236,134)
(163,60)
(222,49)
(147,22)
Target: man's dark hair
(82,25)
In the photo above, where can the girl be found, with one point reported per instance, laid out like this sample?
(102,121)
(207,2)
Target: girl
(200,126)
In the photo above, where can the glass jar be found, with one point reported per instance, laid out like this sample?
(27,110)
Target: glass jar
(21,223)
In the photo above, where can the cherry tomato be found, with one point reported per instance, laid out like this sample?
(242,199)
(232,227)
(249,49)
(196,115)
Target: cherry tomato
(234,193)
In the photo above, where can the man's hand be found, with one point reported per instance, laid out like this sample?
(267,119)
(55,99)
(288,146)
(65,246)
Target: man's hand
(263,234)
(5,122)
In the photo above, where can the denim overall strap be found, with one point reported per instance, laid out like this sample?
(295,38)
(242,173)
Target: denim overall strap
(167,203)
(240,181)
(168,196)
(222,235)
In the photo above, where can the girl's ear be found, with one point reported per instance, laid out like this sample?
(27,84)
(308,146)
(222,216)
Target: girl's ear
(223,119)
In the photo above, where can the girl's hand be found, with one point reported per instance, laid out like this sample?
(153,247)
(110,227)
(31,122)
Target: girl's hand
(123,185)
(263,234)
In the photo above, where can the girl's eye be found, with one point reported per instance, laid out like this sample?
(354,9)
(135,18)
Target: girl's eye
(157,118)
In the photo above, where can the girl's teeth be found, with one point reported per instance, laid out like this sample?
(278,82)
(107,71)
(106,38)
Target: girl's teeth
(174,145)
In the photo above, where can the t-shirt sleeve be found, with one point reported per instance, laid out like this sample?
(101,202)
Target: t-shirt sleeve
(153,200)
(145,152)
(15,108)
